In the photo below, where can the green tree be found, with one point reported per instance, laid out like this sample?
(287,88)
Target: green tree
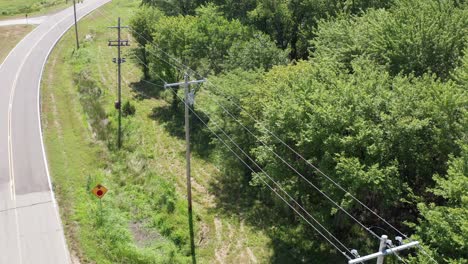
(410,37)
(274,18)
(291,22)
(175,7)
(379,136)
(460,74)
(142,24)
(257,52)
(207,43)
(445,226)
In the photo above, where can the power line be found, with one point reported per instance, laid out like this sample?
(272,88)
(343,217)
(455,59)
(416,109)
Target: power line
(278,186)
(329,233)
(290,148)
(269,186)
(295,170)
(322,173)
(308,162)
(302,176)
(315,187)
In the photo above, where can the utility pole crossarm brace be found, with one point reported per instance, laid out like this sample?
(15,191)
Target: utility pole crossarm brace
(115,43)
(384,252)
(118,27)
(166,85)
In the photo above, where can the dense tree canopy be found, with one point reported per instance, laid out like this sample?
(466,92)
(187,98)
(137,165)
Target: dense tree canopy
(410,37)
(379,104)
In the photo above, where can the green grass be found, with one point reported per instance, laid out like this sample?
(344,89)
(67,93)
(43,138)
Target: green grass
(144,213)
(15,8)
(13,34)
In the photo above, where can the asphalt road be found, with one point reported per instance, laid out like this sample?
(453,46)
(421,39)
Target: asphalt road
(30,227)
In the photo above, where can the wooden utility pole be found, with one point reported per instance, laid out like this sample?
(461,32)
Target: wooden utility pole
(188,101)
(76,26)
(118,104)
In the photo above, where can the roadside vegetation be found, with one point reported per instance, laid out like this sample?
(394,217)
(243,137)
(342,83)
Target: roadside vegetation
(374,93)
(14,34)
(144,216)
(16,8)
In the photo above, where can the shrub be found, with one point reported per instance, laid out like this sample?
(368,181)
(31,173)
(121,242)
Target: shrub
(128,109)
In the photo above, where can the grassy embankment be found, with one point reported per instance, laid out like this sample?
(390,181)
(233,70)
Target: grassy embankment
(19,8)
(13,34)
(144,217)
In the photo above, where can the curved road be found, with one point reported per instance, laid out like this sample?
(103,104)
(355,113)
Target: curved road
(30,226)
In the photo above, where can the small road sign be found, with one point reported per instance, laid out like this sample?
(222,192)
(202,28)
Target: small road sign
(99,191)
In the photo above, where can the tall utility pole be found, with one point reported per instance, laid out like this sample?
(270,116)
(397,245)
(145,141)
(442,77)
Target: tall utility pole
(118,104)
(76,26)
(188,101)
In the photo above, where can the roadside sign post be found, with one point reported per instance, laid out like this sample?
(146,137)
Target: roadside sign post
(99,191)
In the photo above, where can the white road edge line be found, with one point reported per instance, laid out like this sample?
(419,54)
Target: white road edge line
(52,193)
(10,108)
(12,92)
(18,242)
(10,161)
(10,149)
(10,157)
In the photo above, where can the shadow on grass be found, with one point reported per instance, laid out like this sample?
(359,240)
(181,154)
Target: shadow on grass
(172,116)
(292,241)
(233,193)
(147,90)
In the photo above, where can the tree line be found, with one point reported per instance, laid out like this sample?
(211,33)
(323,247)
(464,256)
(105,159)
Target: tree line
(374,93)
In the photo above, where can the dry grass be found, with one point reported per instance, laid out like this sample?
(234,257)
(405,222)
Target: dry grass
(13,35)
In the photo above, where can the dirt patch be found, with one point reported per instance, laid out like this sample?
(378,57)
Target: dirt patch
(12,35)
(224,248)
(208,199)
(252,257)
(73,258)
(142,236)
(203,235)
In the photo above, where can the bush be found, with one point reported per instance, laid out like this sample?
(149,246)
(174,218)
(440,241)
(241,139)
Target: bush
(128,109)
